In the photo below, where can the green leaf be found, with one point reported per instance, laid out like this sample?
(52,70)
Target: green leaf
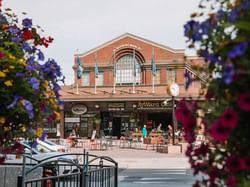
(244,25)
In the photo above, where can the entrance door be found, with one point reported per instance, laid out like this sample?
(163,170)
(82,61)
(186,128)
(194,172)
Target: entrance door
(117,127)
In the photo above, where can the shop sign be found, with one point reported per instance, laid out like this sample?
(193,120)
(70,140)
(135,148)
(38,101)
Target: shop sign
(72,120)
(116,106)
(79,109)
(153,105)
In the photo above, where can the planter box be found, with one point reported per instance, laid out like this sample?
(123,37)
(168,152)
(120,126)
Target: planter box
(170,149)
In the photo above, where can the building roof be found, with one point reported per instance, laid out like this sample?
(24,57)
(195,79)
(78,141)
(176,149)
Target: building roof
(123,93)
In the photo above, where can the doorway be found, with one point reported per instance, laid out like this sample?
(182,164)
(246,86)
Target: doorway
(116,127)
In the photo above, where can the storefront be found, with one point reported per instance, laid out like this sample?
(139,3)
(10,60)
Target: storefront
(115,118)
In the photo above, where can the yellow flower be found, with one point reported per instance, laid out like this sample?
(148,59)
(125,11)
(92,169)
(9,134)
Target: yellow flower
(6,71)
(2,120)
(2,74)
(12,67)
(8,82)
(39,132)
(22,62)
(23,129)
(58,116)
(12,57)
(45,84)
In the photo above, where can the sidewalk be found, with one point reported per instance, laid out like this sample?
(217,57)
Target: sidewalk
(136,158)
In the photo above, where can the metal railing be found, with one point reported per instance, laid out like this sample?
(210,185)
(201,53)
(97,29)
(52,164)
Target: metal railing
(70,170)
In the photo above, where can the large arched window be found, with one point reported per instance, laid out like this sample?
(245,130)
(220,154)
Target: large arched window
(128,70)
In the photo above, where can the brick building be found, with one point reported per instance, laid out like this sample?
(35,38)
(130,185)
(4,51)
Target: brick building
(120,88)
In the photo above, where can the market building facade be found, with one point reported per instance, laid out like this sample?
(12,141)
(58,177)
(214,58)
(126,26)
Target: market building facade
(123,84)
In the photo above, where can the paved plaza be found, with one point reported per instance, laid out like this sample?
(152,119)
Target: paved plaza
(140,158)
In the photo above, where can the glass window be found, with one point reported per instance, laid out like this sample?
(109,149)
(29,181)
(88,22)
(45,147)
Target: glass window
(85,79)
(171,75)
(100,79)
(128,70)
(157,78)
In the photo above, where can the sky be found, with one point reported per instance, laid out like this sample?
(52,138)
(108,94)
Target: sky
(85,24)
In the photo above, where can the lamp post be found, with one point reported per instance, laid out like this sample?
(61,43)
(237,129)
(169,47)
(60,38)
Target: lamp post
(173,90)
(173,120)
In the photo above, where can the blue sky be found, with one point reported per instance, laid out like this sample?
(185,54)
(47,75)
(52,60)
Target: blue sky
(86,24)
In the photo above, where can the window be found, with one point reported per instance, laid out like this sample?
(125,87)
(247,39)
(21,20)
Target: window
(194,81)
(171,75)
(100,79)
(157,78)
(128,70)
(85,79)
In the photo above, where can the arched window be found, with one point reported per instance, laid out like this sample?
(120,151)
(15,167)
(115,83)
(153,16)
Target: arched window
(128,70)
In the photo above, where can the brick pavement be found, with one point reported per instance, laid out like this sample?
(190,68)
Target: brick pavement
(140,158)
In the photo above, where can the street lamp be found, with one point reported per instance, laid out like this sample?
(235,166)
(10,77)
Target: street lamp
(174,91)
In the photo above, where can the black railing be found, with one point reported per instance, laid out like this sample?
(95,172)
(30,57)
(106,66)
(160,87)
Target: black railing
(78,170)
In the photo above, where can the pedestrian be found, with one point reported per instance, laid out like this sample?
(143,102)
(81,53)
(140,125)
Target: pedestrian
(144,132)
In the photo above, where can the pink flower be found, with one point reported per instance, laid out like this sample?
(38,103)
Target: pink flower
(245,163)
(202,150)
(229,118)
(219,131)
(231,181)
(2,55)
(233,164)
(244,101)
(213,174)
(185,114)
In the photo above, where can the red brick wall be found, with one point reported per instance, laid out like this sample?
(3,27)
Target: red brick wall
(162,55)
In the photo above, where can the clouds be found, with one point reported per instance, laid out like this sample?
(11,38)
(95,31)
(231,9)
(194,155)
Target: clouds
(85,24)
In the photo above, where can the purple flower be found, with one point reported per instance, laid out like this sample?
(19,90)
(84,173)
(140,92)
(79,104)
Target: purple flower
(34,83)
(192,29)
(27,47)
(56,89)
(40,55)
(13,103)
(210,57)
(13,30)
(238,50)
(233,15)
(29,108)
(16,39)
(27,23)
(19,74)
(51,69)
(31,64)
(220,14)
(228,73)
(205,27)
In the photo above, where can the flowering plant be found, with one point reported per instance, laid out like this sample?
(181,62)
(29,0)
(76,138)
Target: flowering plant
(29,89)
(221,37)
